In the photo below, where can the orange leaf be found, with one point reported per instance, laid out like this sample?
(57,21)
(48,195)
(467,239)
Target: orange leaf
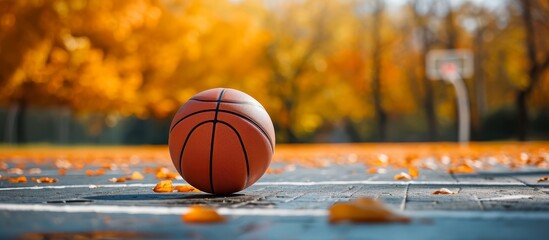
(363,210)
(45,180)
(443,191)
(414,173)
(185,188)
(62,172)
(403,176)
(274,170)
(543,179)
(97,172)
(461,169)
(136,176)
(200,214)
(20,179)
(164,186)
(117,180)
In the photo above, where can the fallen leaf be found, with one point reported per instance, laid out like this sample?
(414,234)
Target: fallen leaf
(117,180)
(543,179)
(200,214)
(443,191)
(136,176)
(45,180)
(413,172)
(97,172)
(20,179)
(363,210)
(149,170)
(17,171)
(163,186)
(185,188)
(461,169)
(62,172)
(275,170)
(166,175)
(403,176)
(34,171)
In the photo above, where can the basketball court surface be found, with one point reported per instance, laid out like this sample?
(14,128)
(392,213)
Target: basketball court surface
(500,199)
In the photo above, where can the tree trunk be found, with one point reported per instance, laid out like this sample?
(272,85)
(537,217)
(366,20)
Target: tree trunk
(20,122)
(381,115)
(522,118)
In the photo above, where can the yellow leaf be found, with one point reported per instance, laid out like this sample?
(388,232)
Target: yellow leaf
(363,210)
(443,191)
(200,214)
(403,176)
(136,176)
(164,186)
(414,173)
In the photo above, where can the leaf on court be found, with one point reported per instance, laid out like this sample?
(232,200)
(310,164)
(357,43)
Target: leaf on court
(443,191)
(363,210)
(164,173)
(376,170)
(543,179)
(136,176)
(275,170)
(464,168)
(45,180)
(403,176)
(413,172)
(62,171)
(17,171)
(97,172)
(34,171)
(200,214)
(117,180)
(20,179)
(185,188)
(163,186)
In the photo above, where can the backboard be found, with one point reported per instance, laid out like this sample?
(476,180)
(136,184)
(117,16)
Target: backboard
(447,64)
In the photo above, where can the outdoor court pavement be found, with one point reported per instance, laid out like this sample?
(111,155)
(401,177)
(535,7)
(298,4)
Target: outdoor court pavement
(499,204)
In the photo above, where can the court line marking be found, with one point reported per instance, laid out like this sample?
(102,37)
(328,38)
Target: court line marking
(400,183)
(158,210)
(509,197)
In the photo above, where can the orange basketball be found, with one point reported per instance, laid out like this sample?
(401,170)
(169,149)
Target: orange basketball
(221,141)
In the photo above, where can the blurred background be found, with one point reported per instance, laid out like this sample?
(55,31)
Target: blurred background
(115,72)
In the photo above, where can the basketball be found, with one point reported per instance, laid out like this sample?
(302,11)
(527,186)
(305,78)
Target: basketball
(221,141)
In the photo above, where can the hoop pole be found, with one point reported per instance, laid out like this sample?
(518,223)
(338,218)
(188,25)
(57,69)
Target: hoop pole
(463,107)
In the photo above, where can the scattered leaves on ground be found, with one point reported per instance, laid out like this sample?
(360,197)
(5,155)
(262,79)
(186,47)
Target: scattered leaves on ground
(403,176)
(185,188)
(363,210)
(543,179)
(20,179)
(44,180)
(34,171)
(164,173)
(464,168)
(443,191)
(97,172)
(201,214)
(163,186)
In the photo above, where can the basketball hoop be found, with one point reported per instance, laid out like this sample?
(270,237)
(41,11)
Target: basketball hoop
(451,66)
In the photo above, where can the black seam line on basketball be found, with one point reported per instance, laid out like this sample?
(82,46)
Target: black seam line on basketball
(194,113)
(230,102)
(186,140)
(213,138)
(243,149)
(233,113)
